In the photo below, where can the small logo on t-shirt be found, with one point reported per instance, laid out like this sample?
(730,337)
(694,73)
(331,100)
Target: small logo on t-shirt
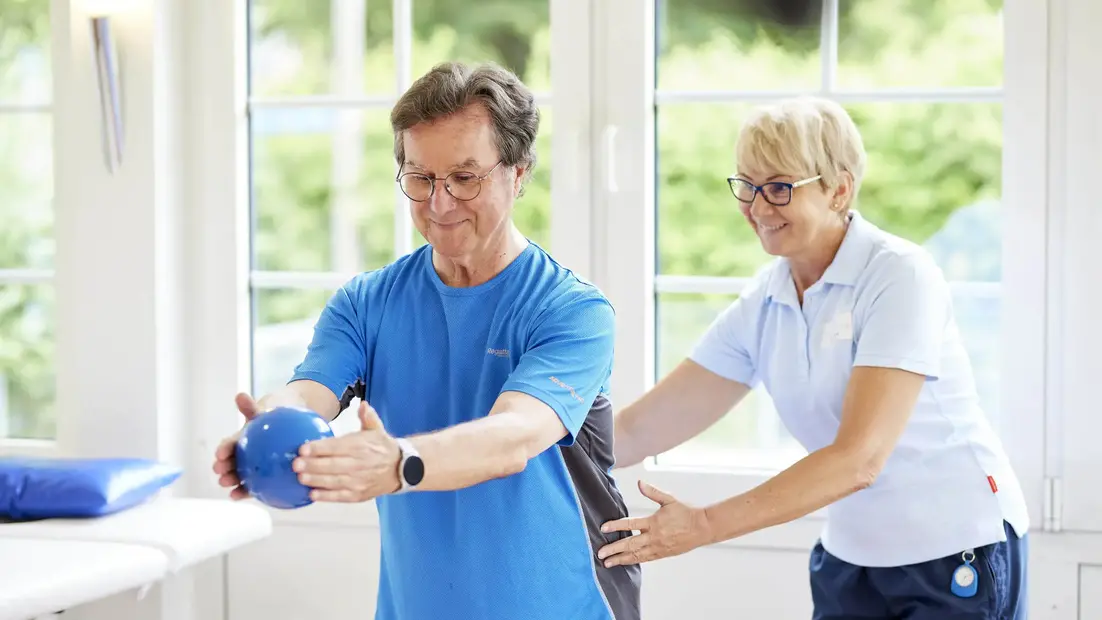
(573,394)
(498,352)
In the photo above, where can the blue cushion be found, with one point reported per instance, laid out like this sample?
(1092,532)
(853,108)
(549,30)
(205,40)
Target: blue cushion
(44,488)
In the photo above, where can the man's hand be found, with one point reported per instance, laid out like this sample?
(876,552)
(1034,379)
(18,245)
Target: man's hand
(356,467)
(225,463)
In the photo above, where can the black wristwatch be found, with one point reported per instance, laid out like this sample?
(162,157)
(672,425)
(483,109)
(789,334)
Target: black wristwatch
(411,469)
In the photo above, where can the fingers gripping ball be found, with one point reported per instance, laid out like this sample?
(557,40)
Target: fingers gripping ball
(267,446)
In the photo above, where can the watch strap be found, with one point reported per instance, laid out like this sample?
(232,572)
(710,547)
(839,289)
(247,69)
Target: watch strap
(407,452)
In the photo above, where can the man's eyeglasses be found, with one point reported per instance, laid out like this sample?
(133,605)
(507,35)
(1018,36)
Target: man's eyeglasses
(776,193)
(462,185)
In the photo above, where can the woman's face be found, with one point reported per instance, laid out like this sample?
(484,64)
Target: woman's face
(810,218)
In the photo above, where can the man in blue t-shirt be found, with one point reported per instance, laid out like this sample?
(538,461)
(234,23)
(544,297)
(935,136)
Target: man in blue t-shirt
(482,367)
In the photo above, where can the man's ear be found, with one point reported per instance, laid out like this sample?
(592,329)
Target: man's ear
(518,181)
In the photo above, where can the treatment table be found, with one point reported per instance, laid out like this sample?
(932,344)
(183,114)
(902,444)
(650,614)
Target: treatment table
(52,565)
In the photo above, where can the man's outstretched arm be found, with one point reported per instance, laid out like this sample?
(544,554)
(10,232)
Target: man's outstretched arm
(519,428)
(545,401)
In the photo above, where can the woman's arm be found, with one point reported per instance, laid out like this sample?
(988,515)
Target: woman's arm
(680,407)
(898,351)
(877,405)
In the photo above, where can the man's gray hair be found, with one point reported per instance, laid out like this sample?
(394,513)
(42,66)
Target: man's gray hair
(450,87)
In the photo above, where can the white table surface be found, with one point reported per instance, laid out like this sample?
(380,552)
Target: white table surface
(54,564)
(43,576)
(186,530)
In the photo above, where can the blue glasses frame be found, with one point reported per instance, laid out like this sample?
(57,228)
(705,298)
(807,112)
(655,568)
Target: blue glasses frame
(735,183)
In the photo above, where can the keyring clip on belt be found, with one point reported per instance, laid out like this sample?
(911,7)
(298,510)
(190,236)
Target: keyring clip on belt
(965,577)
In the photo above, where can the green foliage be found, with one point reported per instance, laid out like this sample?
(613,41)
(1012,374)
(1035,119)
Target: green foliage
(23,23)
(26,311)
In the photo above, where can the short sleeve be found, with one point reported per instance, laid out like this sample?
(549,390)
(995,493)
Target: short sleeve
(568,361)
(725,347)
(903,325)
(336,356)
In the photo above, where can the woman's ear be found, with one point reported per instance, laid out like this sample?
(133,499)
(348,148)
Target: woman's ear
(843,192)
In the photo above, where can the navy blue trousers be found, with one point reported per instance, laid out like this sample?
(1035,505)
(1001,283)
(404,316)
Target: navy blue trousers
(842,591)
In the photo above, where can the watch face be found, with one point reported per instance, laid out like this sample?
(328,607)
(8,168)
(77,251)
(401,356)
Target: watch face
(414,470)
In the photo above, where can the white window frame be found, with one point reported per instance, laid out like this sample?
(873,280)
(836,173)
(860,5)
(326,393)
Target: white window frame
(624,45)
(1074,228)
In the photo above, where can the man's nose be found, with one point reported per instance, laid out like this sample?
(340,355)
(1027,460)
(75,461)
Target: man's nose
(441,202)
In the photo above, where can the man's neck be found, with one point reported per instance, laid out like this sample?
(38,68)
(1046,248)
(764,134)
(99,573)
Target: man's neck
(484,264)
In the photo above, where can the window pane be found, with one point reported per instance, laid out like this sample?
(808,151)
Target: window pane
(756,45)
(323,189)
(701,230)
(935,177)
(321,47)
(25,73)
(26,191)
(751,435)
(513,33)
(920,43)
(978,311)
(283,324)
(27,389)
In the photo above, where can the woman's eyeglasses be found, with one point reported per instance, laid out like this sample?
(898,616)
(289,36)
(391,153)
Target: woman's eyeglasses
(776,193)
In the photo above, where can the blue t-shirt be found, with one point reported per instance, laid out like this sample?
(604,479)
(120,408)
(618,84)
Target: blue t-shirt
(428,356)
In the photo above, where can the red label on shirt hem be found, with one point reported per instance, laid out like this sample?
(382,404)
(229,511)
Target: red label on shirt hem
(991,482)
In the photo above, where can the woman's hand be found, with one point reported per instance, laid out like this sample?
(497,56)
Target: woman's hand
(356,467)
(673,529)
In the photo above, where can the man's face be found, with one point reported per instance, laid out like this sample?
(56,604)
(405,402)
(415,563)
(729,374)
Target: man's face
(461,145)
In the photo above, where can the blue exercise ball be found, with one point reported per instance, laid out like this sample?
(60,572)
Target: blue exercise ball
(266,448)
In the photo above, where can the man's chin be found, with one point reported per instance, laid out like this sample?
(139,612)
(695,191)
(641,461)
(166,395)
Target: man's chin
(450,246)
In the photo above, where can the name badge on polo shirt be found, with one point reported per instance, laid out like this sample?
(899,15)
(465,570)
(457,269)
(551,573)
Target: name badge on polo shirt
(839,328)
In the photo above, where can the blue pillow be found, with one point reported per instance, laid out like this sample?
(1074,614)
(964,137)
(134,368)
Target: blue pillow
(45,488)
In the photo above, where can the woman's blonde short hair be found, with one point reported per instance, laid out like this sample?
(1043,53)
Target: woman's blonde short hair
(805,136)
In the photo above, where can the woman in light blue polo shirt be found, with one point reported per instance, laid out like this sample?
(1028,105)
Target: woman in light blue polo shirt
(851,331)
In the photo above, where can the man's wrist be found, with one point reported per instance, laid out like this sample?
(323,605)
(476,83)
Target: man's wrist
(409,470)
(277,399)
